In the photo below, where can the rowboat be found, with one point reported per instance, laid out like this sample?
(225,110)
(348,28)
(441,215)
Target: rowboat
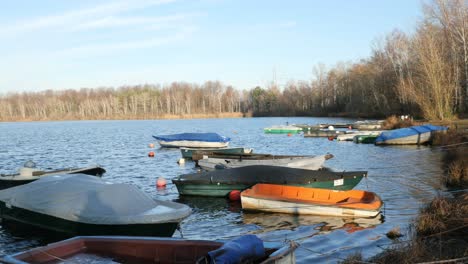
(188,153)
(302,162)
(409,135)
(323,133)
(349,135)
(365,139)
(122,249)
(30,174)
(310,201)
(219,183)
(193,140)
(246,156)
(282,130)
(368,124)
(79,204)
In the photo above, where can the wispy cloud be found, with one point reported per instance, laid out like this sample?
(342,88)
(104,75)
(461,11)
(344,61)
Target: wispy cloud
(75,18)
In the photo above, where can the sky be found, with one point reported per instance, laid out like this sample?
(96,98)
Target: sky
(56,44)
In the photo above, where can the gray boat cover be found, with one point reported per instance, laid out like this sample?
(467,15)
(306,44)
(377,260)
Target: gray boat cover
(88,199)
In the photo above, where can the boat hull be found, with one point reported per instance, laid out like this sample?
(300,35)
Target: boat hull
(408,140)
(138,250)
(8,181)
(192,144)
(321,133)
(220,183)
(12,214)
(276,206)
(188,153)
(367,139)
(302,162)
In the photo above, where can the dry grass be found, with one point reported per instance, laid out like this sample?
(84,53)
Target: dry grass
(393,122)
(394,233)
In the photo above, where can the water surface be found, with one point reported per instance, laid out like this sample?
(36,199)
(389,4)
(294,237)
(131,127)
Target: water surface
(405,178)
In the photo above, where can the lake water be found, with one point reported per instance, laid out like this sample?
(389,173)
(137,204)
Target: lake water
(405,178)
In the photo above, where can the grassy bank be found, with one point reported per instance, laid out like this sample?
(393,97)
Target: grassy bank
(439,233)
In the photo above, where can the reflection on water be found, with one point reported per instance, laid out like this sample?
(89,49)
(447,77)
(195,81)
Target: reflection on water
(404,177)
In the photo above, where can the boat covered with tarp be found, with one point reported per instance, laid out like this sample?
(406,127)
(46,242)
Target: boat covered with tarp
(409,135)
(219,183)
(84,205)
(193,140)
(310,201)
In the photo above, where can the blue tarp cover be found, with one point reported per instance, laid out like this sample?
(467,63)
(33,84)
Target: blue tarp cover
(207,137)
(408,131)
(239,250)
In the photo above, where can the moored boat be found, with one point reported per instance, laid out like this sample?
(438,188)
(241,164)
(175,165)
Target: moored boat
(302,162)
(30,173)
(84,205)
(349,135)
(323,133)
(409,135)
(122,249)
(365,139)
(288,129)
(188,153)
(193,140)
(219,183)
(313,201)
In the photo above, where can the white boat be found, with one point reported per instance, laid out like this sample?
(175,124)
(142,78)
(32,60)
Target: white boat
(300,162)
(193,140)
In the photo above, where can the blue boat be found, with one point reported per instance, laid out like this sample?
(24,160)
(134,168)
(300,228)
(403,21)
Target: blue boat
(409,135)
(193,140)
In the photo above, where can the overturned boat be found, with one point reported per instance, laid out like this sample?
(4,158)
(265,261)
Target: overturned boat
(219,183)
(310,201)
(300,162)
(30,173)
(79,204)
(193,140)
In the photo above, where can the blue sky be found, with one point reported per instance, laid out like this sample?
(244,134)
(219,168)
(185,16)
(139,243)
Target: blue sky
(56,44)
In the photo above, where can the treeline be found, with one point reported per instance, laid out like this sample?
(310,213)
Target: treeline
(424,74)
(135,102)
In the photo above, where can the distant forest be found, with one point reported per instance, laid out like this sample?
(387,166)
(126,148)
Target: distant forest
(424,73)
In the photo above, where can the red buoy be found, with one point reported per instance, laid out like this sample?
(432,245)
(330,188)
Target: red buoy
(151,154)
(331,138)
(151,145)
(235,195)
(161,182)
(289,134)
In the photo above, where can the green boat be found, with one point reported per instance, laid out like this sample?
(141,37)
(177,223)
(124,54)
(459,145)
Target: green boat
(282,130)
(219,183)
(368,139)
(187,153)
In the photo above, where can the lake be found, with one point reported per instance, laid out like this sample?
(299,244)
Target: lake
(405,177)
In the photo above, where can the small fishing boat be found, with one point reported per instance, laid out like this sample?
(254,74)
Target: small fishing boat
(365,139)
(219,183)
(193,140)
(188,153)
(288,129)
(310,201)
(409,135)
(349,135)
(30,173)
(302,162)
(79,204)
(122,249)
(323,133)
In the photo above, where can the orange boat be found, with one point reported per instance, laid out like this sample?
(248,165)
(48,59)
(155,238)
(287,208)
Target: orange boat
(311,201)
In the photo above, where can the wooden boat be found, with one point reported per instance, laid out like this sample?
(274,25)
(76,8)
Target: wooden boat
(193,140)
(302,162)
(188,153)
(409,135)
(84,205)
(27,174)
(282,129)
(121,249)
(313,201)
(323,133)
(219,183)
(365,139)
